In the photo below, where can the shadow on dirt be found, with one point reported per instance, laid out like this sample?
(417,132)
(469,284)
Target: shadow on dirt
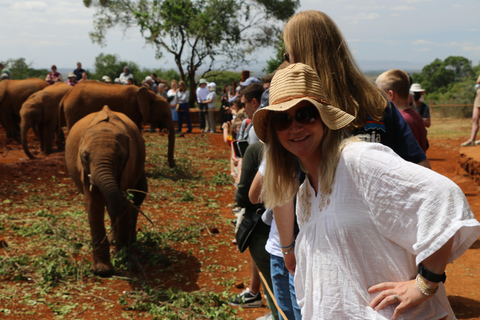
(173,269)
(463,307)
(475,245)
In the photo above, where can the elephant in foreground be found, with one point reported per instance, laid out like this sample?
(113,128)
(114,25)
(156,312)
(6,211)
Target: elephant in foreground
(13,93)
(141,105)
(105,156)
(41,110)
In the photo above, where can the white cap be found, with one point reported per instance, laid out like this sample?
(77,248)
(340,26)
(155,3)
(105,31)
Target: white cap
(211,84)
(148,78)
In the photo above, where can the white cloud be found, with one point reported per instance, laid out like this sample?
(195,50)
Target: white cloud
(403,8)
(421,42)
(421,49)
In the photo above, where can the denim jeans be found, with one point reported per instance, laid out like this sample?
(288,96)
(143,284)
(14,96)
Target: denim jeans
(283,288)
(256,246)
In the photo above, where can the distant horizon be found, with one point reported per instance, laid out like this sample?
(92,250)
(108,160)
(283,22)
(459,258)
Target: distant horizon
(367,66)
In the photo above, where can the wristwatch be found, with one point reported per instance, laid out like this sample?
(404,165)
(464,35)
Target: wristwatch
(429,275)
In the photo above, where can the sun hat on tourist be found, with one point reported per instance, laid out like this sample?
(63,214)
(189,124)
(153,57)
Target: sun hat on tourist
(211,84)
(71,75)
(203,81)
(416,87)
(148,78)
(250,81)
(106,79)
(292,85)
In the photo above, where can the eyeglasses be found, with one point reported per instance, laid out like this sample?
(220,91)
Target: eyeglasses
(286,56)
(305,115)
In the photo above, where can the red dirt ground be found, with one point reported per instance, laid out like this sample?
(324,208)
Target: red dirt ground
(463,283)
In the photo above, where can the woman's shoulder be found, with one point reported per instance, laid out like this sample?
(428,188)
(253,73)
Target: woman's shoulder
(365,152)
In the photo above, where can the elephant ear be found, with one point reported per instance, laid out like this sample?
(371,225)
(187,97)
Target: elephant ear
(104,115)
(145,98)
(3,89)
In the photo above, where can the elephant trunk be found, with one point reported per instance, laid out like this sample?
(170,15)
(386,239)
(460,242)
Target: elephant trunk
(104,179)
(24,131)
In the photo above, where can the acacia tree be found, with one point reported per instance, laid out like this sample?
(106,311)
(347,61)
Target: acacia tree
(206,34)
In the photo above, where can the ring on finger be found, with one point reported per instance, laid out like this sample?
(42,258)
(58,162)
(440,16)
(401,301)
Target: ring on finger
(395,298)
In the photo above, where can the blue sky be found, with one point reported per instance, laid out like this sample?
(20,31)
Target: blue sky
(384,34)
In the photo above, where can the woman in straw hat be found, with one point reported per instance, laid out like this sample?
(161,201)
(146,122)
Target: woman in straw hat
(312,37)
(376,231)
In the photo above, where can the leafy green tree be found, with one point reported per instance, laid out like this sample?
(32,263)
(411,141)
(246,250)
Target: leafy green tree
(199,34)
(448,82)
(439,76)
(110,65)
(20,70)
(274,62)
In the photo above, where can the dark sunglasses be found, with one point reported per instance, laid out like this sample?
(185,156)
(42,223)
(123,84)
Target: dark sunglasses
(305,115)
(286,56)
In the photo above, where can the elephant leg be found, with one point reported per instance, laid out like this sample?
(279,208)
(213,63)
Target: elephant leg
(95,205)
(49,132)
(138,198)
(8,124)
(60,141)
(41,136)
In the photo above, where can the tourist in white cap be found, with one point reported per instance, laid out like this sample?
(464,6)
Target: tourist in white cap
(202,93)
(72,79)
(421,107)
(151,83)
(210,101)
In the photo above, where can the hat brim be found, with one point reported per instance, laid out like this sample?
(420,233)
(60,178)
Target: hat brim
(332,117)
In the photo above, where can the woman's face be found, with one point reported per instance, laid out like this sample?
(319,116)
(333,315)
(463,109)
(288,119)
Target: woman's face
(174,85)
(182,87)
(300,138)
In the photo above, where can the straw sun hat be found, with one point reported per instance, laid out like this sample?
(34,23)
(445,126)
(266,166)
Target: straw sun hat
(298,82)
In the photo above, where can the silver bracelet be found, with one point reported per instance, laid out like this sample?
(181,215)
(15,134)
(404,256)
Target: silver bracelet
(419,287)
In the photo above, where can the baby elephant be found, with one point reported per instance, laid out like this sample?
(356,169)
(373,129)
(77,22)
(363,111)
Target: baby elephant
(105,155)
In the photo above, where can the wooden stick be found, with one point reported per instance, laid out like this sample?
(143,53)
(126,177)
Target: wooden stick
(280,311)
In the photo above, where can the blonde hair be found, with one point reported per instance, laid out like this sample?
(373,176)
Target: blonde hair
(396,80)
(312,37)
(280,182)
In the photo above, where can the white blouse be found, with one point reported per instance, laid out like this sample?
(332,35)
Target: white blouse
(382,218)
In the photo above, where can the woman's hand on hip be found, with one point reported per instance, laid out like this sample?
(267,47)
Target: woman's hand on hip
(403,295)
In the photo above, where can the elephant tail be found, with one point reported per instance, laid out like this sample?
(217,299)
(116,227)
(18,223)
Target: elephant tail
(23,132)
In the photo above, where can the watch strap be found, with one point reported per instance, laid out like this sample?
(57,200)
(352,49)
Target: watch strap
(429,275)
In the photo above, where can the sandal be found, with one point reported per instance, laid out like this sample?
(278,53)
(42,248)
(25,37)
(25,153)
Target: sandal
(468,143)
